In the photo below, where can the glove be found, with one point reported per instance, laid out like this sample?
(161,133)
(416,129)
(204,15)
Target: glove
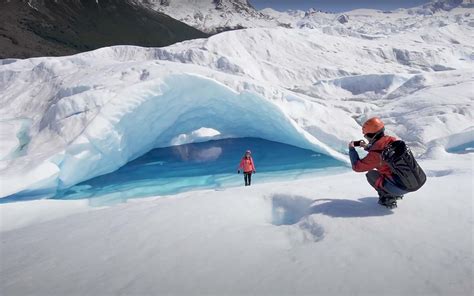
(238,172)
(254,172)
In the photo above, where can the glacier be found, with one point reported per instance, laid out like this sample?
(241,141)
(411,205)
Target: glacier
(204,165)
(104,122)
(84,135)
(89,114)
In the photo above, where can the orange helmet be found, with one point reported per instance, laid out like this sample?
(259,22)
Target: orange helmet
(372,126)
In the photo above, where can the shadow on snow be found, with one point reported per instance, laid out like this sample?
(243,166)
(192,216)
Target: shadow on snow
(290,209)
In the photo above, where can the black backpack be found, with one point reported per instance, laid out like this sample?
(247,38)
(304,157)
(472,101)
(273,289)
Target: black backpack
(406,172)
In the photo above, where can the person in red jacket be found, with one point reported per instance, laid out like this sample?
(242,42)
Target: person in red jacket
(378,173)
(247,166)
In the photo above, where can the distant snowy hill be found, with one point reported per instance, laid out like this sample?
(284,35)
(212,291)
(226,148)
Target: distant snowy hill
(370,23)
(213,15)
(437,6)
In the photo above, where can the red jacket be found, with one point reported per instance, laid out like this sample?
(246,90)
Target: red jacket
(246,164)
(373,160)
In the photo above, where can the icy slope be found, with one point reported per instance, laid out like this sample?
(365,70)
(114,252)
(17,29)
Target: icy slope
(91,113)
(320,236)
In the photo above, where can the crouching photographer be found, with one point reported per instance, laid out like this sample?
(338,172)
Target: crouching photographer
(381,165)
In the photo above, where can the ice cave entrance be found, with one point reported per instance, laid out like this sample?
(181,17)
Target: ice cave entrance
(211,165)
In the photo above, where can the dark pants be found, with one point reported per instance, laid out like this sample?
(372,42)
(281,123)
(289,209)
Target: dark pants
(388,188)
(247,178)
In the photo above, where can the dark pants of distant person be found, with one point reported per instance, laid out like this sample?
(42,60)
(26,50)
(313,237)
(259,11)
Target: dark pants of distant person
(247,178)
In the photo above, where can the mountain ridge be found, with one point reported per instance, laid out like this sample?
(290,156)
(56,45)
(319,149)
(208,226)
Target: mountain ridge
(213,16)
(51,28)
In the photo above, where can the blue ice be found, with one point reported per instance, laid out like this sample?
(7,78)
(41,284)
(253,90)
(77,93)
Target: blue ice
(212,164)
(464,148)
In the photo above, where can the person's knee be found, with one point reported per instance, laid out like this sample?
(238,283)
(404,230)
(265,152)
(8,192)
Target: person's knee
(372,177)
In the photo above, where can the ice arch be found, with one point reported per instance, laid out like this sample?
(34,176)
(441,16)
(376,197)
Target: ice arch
(151,115)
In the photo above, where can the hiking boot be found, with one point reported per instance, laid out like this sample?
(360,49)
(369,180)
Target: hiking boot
(388,201)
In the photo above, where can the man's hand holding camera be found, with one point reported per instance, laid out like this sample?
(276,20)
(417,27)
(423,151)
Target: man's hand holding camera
(360,143)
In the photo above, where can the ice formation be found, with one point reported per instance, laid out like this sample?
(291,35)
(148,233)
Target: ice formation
(68,119)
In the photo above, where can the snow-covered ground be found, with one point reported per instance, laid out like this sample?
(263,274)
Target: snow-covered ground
(65,120)
(316,236)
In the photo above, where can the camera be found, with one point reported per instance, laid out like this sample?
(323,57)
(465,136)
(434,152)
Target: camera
(358,143)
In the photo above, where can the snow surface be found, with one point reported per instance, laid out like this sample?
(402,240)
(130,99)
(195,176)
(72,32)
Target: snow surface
(317,236)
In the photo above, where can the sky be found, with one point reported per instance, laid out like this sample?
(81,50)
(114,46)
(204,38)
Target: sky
(336,5)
